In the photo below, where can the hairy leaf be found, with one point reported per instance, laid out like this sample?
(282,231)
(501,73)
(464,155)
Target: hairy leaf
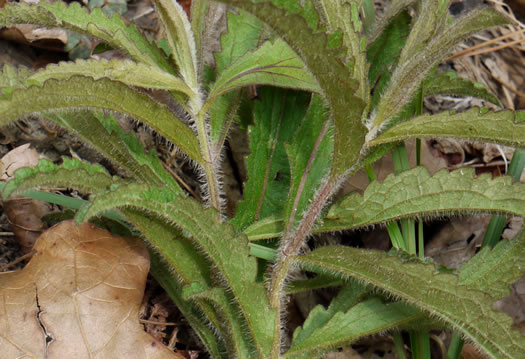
(350,294)
(309,155)
(177,252)
(383,54)
(273,64)
(430,20)
(277,116)
(448,83)
(13,77)
(175,260)
(410,194)
(366,318)
(124,151)
(244,33)
(128,72)
(493,268)
(231,320)
(415,192)
(467,309)
(96,23)
(83,92)
(343,15)
(189,310)
(199,10)
(72,173)
(266,228)
(504,127)
(393,10)
(409,75)
(306,285)
(181,41)
(150,166)
(330,71)
(227,251)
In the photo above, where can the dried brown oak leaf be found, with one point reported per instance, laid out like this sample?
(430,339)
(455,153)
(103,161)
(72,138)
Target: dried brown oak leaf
(78,297)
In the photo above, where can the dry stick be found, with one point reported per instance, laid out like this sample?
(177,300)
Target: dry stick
(18,260)
(505,84)
(470,51)
(181,182)
(153,322)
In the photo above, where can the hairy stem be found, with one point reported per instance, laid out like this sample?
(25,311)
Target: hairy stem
(292,242)
(210,157)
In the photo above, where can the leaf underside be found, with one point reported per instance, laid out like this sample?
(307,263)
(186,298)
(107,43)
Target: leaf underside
(85,93)
(128,72)
(501,127)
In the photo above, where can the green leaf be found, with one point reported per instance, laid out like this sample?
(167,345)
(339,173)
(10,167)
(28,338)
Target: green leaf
(345,16)
(277,116)
(439,294)
(191,312)
(393,10)
(199,10)
(231,321)
(430,20)
(383,54)
(128,72)
(83,92)
(13,77)
(273,64)
(244,33)
(228,252)
(410,194)
(96,23)
(350,294)
(501,127)
(178,263)
(181,41)
(309,156)
(306,285)
(448,83)
(493,268)
(409,75)
(125,151)
(79,175)
(325,63)
(175,250)
(415,193)
(266,228)
(149,166)
(343,328)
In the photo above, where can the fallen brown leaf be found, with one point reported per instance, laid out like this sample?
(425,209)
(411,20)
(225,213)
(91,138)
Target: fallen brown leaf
(24,214)
(78,297)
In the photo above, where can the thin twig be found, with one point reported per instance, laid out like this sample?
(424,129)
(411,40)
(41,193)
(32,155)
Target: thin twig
(504,84)
(467,52)
(18,260)
(180,181)
(167,324)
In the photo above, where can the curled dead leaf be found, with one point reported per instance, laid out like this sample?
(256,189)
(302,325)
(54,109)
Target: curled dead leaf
(24,214)
(78,297)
